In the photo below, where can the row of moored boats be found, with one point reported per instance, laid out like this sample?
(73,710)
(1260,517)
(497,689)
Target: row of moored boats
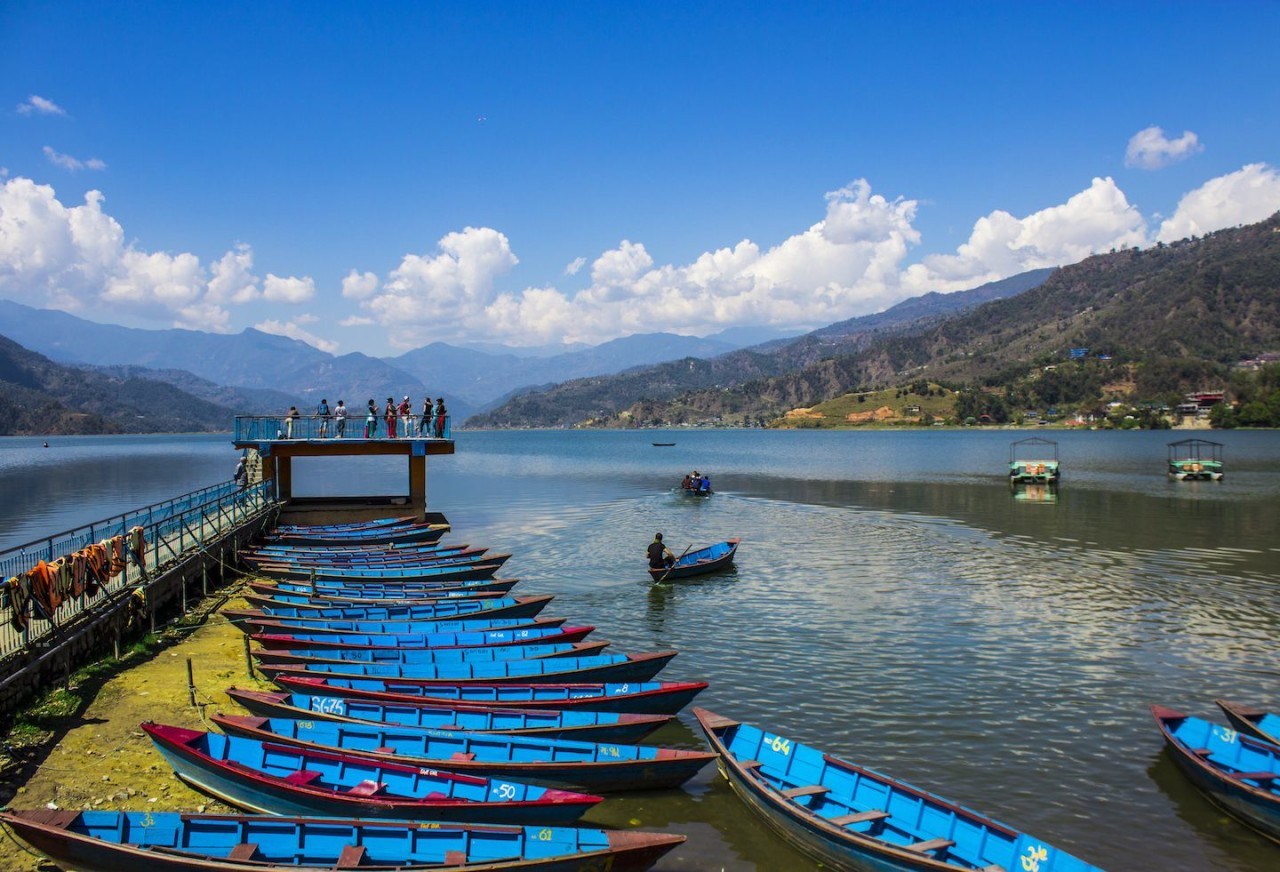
(428,718)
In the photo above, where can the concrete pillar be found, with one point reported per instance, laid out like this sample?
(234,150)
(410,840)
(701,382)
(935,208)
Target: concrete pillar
(284,470)
(418,486)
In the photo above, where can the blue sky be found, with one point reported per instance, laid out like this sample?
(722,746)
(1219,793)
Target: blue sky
(371,177)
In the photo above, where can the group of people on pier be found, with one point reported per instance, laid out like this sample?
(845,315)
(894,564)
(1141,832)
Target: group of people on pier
(399,419)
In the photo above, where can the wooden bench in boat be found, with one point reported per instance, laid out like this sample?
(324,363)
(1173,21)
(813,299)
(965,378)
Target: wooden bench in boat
(930,845)
(351,857)
(807,790)
(1255,776)
(302,777)
(367,788)
(243,851)
(750,764)
(859,817)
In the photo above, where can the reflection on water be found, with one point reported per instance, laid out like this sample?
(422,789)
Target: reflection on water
(893,603)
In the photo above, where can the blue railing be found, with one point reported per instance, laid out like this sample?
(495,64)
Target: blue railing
(313,427)
(170,529)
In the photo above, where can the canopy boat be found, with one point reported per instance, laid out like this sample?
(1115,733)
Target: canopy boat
(648,697)
(581,725)
(505,607)
(306,658)
(598,667)
(260,622)
(160,841)
(1033,461)
(552,762)
(1195,460)
(700,562)
(319,642)
(395,535)
(1239,774)
(1255,722)
(851,818)
(275,778)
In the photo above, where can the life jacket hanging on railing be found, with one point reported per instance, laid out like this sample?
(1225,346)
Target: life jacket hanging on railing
(115,551)
(138,547)
(44,587)
(96,564)
(64,579)
(79,569)
(19,601)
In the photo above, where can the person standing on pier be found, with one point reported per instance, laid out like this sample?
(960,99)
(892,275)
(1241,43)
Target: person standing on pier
(340,419)
(288,421)
(424,426)
(323,413)
(371,421)
(241,475)
(405,410)
(389,415)
(440,413)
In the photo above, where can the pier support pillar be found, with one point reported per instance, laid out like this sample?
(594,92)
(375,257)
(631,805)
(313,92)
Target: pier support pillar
(418,486)
(284,477)
(269,473)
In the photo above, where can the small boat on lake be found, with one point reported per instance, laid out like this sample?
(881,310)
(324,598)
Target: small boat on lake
(562,763)
(306,658)
(577,724)
(646,697)
(286,778)
(1034,461)
(260,622)
(159,841)
(598,667)
(319,642)
(1195,460)
(393,535)
(710,559)
(851,818)
(460,568)
(506,607)
(1239,774)
(1256,722)
(664,444)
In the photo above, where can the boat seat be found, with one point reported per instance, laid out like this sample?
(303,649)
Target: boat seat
(1255,776)
(455,858)
(385,749)
(930,845)
(750,764)
(367,788)
(462,756)
(351,857)
(860,817)
(807,790)
(243,851)
(1202,752)
(302,777)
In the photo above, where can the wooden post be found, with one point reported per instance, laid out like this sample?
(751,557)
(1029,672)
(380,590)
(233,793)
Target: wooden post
(191,684)
(248,658)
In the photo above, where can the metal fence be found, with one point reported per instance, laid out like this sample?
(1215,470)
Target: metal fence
(170,529)
(356,427)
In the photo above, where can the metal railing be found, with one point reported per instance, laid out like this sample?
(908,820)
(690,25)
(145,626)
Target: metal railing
(358,427)
(171,528)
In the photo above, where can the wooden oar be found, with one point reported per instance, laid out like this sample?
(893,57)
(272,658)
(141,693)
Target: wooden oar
(673,565)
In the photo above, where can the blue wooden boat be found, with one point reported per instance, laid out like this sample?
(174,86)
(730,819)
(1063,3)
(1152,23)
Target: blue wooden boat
(1255,722)
(285,778)
(598,667)
(456,569)
(506,607)
(534,759)
(408,641)
(324,603)
(1239,774)
(261,622)
(581,725)
(849,817)
(710,559)
(385,592)
(355,557)
(391,536)
(376,597)
(158,841)
(305,659)
(347,526)
(650,697)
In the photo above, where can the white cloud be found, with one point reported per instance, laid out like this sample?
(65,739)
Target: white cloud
(359,286)
(67,162)
(288,290)
(1097,219)
(356,321)
(75,258)
(1246,196)
(293,331)
(1150,149)
(37,105)
(575,265)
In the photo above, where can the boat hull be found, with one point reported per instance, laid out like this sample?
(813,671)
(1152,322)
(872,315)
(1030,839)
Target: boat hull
(705,560)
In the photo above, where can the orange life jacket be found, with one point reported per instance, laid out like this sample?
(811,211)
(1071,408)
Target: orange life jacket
(44,587)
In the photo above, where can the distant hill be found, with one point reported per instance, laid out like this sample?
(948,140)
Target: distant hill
(40,397)
(1155,322)
(600,399)
(246,401)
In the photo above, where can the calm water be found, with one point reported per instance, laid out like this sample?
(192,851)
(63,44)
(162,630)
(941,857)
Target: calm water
(893,603)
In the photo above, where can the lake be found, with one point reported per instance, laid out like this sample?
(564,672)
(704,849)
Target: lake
(893,603)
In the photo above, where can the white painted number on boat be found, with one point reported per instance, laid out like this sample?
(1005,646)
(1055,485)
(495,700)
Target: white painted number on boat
(327,705)
(506,791)
(1226,734)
